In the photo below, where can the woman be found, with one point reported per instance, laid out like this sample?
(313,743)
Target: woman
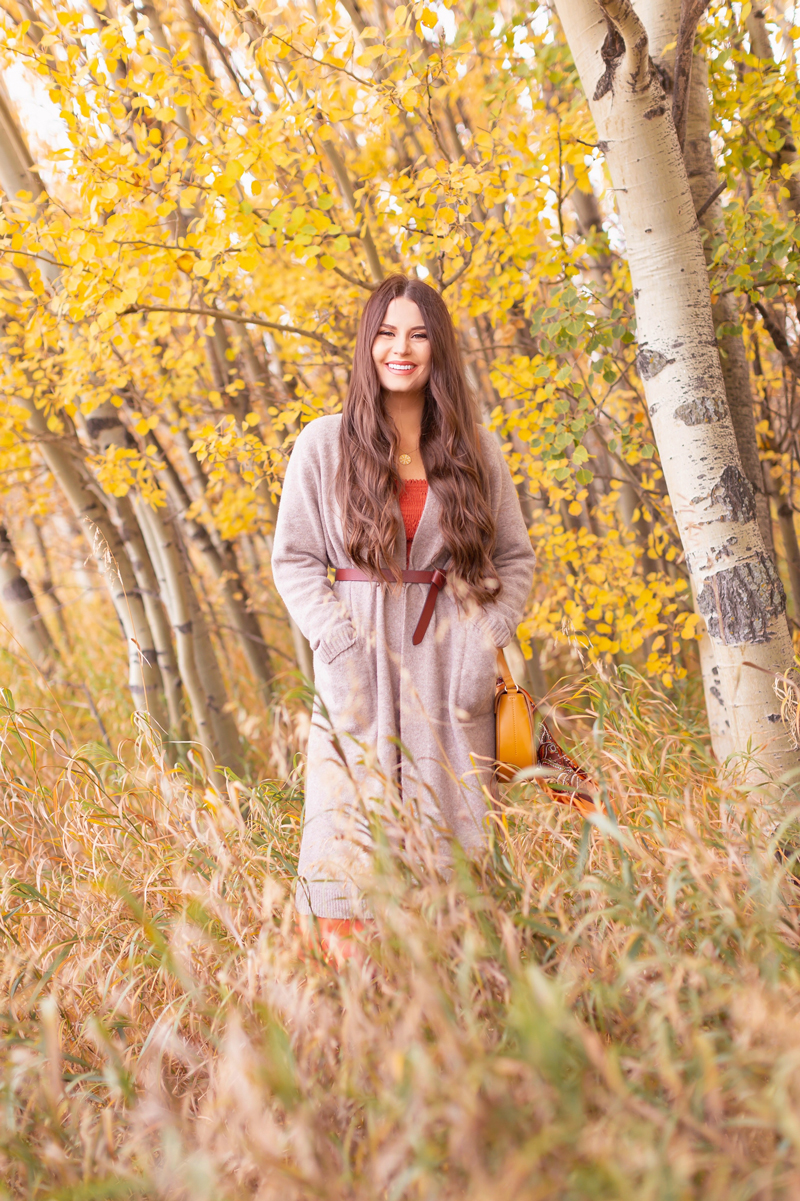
(403,483)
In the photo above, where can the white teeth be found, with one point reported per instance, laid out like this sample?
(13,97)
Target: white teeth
(400,367)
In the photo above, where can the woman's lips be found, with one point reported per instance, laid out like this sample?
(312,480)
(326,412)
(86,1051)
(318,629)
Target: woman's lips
(401,368)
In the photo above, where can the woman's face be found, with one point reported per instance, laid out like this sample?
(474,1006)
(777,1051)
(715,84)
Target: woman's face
(401,350)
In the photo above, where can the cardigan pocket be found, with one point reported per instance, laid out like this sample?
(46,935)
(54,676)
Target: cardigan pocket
(342,638)
(346,687)
(474,692)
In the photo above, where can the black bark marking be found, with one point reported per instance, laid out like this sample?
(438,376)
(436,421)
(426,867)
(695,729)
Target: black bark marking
(611,52)
(702,410)
(739,602)
(714,689)
(96,425)
(18,591)
(657,111)
(650,362)
(735,493)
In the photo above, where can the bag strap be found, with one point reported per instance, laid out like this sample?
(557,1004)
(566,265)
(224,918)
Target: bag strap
(503,670)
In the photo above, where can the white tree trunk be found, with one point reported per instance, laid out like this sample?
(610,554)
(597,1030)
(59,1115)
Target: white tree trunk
(738,590)
(222,563)
(662,21)
(199,669)
(26,622)
(105,429)
(166,560)
(105,544)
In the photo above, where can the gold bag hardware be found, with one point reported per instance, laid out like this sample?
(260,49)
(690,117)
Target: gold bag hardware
(525,740)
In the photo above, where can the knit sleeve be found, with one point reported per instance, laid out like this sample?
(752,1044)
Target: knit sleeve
(514,558)
(300,555)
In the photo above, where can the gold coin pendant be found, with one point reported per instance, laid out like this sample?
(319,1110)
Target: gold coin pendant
(405,460)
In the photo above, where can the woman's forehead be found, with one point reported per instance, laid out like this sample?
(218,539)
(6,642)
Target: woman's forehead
(404,312)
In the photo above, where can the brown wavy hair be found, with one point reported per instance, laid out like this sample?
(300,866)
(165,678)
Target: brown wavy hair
(367,480)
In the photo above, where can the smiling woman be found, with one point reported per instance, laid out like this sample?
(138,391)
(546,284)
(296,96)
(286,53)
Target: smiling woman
(404,488)
(402,355)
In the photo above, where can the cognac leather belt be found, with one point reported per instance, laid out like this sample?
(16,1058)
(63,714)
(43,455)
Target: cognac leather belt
(437,580)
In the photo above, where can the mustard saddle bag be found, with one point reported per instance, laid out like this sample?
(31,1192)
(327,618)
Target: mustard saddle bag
(524,740)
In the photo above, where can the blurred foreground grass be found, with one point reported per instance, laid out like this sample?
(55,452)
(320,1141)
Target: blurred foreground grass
(594,1012)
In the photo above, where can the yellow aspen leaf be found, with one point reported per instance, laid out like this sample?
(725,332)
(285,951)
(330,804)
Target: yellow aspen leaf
(185,263)
(370,54)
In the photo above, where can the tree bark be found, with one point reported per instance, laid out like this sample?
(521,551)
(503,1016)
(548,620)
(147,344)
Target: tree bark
(175,587)
(225,731)
(704,182)
(26,622)
(791,550)
(761,47)
(738,590)
(47,587)
(108,551)
(105,429)
(222,563)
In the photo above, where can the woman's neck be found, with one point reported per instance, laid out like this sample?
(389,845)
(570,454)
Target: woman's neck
(405,411)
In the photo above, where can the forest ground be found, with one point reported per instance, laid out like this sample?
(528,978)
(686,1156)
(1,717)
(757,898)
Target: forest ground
(603,1010)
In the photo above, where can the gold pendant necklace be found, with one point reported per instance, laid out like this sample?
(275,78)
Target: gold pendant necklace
(405,459)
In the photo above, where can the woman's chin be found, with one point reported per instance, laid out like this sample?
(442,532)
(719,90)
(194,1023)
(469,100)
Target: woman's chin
(394,383)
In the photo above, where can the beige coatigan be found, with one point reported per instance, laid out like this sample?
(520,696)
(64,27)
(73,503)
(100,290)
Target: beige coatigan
(419,716)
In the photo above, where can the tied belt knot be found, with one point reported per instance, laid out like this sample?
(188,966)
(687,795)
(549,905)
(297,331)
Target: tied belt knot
(437,580)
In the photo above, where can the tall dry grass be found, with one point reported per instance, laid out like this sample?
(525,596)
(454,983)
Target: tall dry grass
(604,1011)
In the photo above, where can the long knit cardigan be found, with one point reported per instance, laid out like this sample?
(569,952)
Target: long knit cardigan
(390,718)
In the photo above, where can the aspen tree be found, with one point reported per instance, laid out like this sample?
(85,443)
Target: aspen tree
(19,605)
(737,588)
(671,36)
(17,175)
(105,428)
(761,48)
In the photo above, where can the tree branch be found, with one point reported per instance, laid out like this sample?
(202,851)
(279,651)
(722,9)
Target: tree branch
(352,279)
(706,205)
(241,319)
(780,341)
(691,12)
(621,15)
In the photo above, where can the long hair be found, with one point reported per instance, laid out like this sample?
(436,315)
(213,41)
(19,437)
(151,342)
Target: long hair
(367,482)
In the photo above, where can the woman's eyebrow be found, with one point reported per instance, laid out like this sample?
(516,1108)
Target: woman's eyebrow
(388,325)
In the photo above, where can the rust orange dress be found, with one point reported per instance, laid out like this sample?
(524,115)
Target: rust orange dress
(413,494)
